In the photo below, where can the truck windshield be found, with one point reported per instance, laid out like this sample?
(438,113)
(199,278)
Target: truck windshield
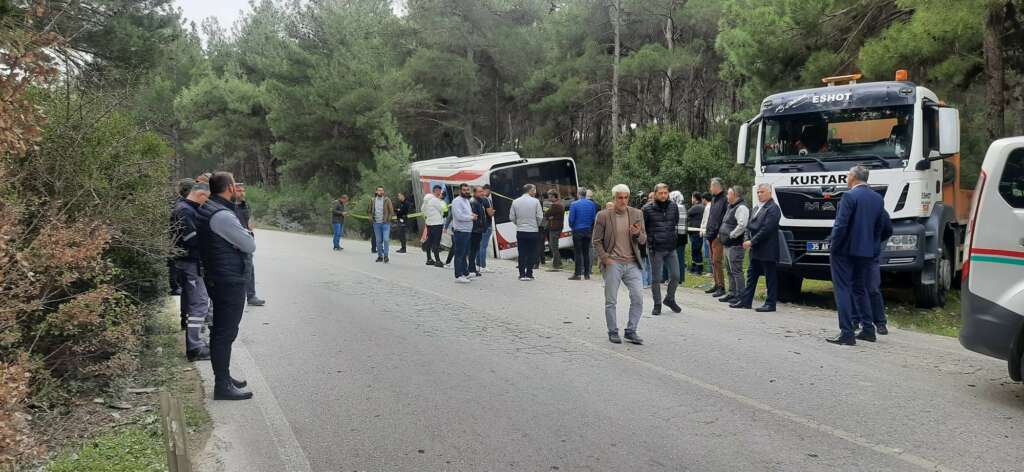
(835,135)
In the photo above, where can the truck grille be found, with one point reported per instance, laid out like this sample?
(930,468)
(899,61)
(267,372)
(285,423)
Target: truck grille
(814,203)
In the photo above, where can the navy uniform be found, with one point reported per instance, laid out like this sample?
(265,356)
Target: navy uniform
(243,212)
(853,243)
(226,250)
(195,302)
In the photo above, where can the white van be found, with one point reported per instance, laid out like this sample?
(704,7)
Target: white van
(992,287)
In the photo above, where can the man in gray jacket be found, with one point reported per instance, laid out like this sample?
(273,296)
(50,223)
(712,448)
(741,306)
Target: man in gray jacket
(526,213)
(731,233)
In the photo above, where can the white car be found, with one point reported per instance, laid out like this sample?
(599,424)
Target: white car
(992,287)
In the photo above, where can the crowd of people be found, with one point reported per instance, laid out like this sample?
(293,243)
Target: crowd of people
(213,271)
(642,245)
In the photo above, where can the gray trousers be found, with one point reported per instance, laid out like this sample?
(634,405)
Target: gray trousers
(660,259)
(195,303)
(614,275)
(734,254)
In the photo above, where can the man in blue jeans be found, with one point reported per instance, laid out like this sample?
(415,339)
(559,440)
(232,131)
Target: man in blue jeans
(338,214)
(462,227)
(381,212)
(485,238)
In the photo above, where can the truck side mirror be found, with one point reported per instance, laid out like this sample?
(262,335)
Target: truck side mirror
(949,131)
(741,144)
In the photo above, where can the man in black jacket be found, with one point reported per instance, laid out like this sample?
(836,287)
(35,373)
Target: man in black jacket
(660,219)
(403,209)
(244,214)
(762,239)
(195,302)
(226,249)
(716,215)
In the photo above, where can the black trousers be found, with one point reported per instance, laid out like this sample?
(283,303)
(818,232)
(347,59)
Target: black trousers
(474,250)
(402,230)
(582,252)
(434,242)
(172,276)
(529,244)
(756,269)
(228,303)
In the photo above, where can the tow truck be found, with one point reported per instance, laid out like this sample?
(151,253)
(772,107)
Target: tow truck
(804,142)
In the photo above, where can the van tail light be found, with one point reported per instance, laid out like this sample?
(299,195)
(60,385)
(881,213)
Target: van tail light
(978,190)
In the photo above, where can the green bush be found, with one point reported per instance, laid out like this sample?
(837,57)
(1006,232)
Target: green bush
(663,153)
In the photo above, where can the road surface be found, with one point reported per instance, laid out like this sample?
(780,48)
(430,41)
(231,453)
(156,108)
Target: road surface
(357,365)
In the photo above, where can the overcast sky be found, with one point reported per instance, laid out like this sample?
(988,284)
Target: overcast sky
(227,11)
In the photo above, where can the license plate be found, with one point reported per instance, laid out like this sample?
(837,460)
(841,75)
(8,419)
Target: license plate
(818,246)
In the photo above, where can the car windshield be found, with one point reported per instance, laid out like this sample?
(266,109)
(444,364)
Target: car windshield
(833,135)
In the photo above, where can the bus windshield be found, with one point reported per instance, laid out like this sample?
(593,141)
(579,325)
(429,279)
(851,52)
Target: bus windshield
(835,135)
(508,182)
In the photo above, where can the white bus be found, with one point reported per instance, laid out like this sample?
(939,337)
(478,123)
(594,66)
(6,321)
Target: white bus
(506,173)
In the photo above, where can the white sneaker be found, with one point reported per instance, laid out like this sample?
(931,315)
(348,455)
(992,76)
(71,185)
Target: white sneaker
(462,280)
(487,270)
(471,276)
(524,279)
(448,265)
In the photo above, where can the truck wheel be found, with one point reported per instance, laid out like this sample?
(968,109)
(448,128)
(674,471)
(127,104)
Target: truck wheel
(930,295)
(789,287)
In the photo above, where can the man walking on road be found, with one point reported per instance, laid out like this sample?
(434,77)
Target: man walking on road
(433,220)
(555,218)
(853,242)
(226,249)
(485,237)
(581,221)
(734,226)
(527,215)
(402,212)
(716,214)
(694,217)
(338,214)
(618,234)
(660,220)
(195,302)
(381,212)
(462,228)
(244,215)
(762,239)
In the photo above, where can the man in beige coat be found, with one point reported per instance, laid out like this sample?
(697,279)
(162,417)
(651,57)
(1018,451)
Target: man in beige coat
(618,234)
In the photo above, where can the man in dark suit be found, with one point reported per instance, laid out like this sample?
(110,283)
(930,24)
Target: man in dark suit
(853,244)
(877,314)
(762,239)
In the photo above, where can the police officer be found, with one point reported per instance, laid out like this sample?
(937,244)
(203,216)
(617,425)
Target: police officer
(855,233)
(195,303)
(226,249)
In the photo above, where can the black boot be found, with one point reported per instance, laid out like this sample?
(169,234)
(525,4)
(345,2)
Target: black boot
(201,354)
(226,390)
(656,311)
(238,383)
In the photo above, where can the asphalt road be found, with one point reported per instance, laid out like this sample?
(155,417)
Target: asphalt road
(358,366)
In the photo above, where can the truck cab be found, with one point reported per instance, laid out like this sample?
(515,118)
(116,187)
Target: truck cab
(992,291)
(804,142)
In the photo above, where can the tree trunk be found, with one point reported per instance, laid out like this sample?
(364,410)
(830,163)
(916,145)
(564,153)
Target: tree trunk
(615,12)
(995,88)
(667,95)
(472,146)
